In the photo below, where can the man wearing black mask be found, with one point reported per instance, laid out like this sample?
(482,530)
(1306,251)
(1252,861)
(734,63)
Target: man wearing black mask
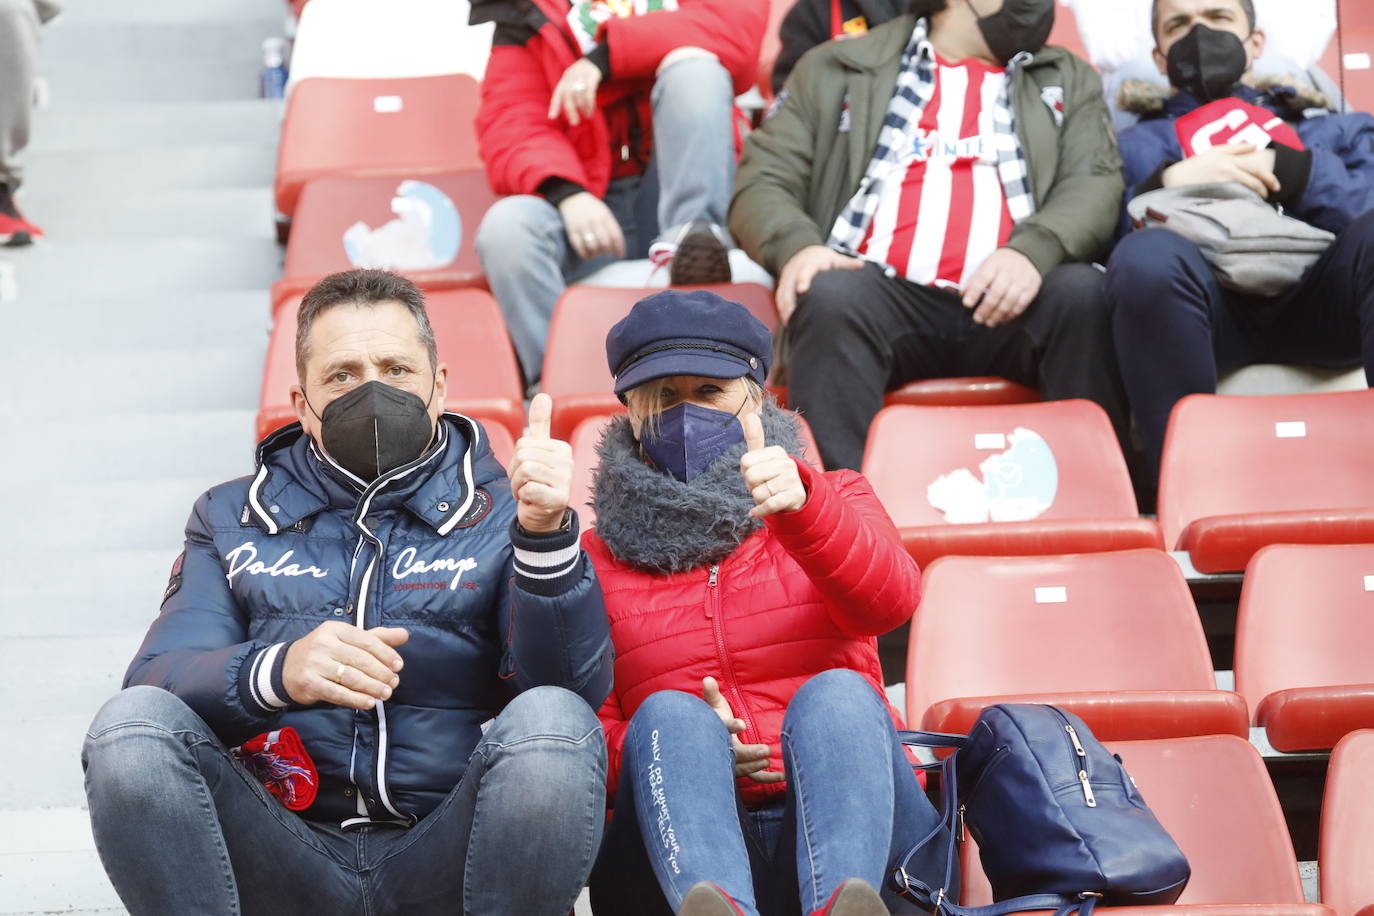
(1176,327)
(928,195)
(370,688)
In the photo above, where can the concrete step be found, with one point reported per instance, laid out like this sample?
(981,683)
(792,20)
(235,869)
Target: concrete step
(136,446)
(210,378)
(85,12)
(78,673)
(74,517)
(79,173)
(102,126)
(95,269)
(50,776)
(56,882)
(108,320)
(109,592)
(127,212)
(165,61)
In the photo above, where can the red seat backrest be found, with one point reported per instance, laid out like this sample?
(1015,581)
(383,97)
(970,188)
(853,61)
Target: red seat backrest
(330,206)
(910,448)
(1347,826)
(483,379)
(1238,455)
(1306,619)
(400,127)
(1214,797)
(991,626)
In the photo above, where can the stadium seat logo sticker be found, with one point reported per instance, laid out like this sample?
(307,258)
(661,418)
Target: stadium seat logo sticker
(1017,484)
(425,234)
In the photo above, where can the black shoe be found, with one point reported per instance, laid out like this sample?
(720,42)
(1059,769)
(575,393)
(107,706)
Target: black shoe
(15,231)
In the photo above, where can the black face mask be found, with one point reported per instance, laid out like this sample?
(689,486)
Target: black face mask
(1206,63)
(375,428)
(1020,25)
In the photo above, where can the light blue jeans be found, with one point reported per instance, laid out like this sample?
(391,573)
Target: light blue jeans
(521,243)
(853,806)
(182,828)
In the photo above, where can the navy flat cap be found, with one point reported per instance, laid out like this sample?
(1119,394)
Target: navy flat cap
(687,332)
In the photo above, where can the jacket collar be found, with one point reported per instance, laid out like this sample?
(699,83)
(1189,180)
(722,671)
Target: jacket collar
(295,479)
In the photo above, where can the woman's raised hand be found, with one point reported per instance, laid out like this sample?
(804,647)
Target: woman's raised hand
(770,473)
(750,759)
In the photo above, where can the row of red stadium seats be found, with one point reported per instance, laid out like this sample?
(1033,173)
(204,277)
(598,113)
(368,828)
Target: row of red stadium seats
(1118,642)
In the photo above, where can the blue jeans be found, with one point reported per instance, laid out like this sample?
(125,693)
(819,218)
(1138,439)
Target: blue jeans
(853,806)
(1176,328)
(521,243)
(181,827)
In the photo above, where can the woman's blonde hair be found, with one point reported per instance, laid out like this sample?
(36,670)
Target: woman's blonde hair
(643,400)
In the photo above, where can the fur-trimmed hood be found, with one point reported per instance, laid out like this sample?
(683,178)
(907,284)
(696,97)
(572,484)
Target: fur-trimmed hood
(653,521)
(1286,94)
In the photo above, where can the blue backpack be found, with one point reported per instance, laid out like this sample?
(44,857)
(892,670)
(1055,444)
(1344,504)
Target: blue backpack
(1058,820)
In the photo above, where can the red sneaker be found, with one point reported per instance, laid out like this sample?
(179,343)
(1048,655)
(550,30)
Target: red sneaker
(705,899)
(15,231)
(855,897)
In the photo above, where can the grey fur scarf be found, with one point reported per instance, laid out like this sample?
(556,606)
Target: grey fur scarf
(653,521)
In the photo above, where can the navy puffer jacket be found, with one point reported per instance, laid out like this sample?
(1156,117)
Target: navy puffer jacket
(1335,182)
(432,547)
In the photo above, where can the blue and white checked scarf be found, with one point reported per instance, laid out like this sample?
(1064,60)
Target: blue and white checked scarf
(915,86)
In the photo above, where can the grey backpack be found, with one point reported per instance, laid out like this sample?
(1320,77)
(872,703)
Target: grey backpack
(1253,247)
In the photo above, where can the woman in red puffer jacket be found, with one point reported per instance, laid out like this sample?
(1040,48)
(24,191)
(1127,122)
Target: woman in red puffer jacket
(754,763)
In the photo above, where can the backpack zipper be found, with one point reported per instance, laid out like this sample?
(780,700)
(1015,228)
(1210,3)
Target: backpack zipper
(1082,766)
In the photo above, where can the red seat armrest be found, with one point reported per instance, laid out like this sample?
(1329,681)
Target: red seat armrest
(1116,715)
(1315,718)
(1225,543)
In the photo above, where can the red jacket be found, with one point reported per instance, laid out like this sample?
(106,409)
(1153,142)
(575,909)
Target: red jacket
(533,45)
(808,592)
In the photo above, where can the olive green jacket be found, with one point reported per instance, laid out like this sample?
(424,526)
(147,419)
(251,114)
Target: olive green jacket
(798,170)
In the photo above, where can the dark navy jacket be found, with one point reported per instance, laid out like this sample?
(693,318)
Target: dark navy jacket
(1335,186)
(432,547)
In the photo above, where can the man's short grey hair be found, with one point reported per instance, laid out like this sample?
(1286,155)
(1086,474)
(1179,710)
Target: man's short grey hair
(1246,6)
(368,288)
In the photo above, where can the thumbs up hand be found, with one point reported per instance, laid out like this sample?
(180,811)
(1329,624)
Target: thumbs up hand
(541,472)
(770,473)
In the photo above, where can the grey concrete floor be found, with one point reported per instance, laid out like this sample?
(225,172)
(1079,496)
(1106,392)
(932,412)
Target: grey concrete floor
(139,332)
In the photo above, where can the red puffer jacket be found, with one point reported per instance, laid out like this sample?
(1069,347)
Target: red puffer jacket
(533,45)
(808,592)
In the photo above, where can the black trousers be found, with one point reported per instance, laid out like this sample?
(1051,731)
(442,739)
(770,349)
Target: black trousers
(857,334)
(1177,328)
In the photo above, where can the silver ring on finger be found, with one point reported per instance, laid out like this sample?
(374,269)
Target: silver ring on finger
(339,673)
(579,87)
(589,238)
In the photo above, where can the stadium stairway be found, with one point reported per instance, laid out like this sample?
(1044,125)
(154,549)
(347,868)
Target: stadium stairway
(137,336)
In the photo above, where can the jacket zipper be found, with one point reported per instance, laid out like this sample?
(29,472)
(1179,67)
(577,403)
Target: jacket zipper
(713,608)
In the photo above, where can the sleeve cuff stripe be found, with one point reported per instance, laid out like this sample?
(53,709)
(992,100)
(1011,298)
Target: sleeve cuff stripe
(570,568)
(263,689)
(532,559)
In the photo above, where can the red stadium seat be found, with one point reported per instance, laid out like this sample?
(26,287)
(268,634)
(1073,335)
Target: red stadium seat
(335,215)
(961,392)
(1214,797)
(500,440)
(1057,482)
(1347,827)
(1356,42)
(393,128)
(1304,641)
(575,371)
(483,380)
(1242,472)
(772,45)
(1115,637)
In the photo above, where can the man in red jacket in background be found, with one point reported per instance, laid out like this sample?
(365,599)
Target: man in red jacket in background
(580,99)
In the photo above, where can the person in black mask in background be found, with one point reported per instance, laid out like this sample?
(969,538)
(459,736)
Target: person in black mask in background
(370,687)
(929,196)
(1175,327)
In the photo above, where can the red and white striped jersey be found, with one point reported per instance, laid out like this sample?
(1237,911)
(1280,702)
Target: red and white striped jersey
(943,209)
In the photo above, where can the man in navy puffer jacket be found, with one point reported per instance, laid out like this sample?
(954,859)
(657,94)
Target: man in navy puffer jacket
(376,590)
(1175,327)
